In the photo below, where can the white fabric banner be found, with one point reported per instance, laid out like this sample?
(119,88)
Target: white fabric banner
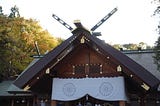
(111,89)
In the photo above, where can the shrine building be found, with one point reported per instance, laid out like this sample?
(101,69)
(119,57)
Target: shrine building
(85,71)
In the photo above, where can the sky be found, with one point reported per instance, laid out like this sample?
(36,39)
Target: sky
(132,23)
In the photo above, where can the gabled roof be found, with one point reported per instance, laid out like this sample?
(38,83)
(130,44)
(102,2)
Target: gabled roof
(145,59)
(133,66)
(54,56)
(3,88)
(7,89)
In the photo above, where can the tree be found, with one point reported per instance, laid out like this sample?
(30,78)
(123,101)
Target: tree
(1,10)
(17,39)
(14,12)
(157,53)
(157,43)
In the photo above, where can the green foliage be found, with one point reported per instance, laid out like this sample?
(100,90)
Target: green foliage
(1,11)
(157,43)
(17,38)
(157,53)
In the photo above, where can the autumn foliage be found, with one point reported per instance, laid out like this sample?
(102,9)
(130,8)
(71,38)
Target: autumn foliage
(17,42)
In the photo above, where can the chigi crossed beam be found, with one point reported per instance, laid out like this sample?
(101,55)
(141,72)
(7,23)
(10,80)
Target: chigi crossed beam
(78,24)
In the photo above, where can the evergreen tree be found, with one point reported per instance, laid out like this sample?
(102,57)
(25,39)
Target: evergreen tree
(1,10)
(14,12)
(157,43)
(157,53)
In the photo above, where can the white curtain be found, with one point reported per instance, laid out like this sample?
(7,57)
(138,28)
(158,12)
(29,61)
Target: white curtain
(111,89)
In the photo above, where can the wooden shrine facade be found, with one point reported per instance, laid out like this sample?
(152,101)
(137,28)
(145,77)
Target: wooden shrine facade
(86,62)
(83,55)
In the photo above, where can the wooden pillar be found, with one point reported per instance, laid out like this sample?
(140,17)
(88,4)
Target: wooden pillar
(53,103)
(12,102)
(142,102)
(27,102)
(122,103)
(35,100)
